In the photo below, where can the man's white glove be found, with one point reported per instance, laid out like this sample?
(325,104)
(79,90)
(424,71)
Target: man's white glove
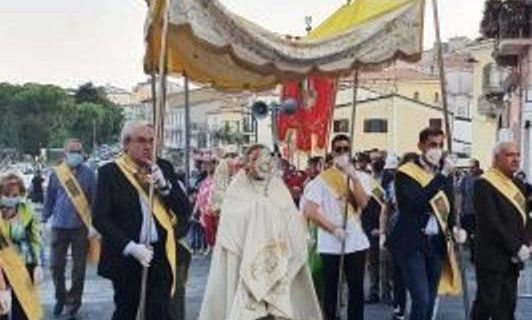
(339,233)
(459,235)
(142,253)
(310,241)
(5,302)
(92,233)
(38,275)
(524,253)
(449,165)
(157,178)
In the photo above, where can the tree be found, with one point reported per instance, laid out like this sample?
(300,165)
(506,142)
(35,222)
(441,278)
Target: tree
(89,93)
(35,116)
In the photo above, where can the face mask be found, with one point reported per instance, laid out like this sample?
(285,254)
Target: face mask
(342,160)
(434,156)
(74,159)
(10,202)
(264,165)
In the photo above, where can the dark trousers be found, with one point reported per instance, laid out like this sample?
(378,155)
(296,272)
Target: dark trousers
(197,237)
(127,286)
(421,271)
(374,271)
(496,295)
(354,265)
(62,239)
(469,225)
(17,313)
(177,303)
(399,290)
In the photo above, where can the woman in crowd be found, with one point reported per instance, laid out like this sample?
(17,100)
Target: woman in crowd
(19,225)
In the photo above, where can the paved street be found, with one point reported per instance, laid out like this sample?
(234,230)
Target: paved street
(98,297)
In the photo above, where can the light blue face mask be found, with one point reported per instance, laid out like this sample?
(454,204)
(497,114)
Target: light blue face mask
(74,159)
(10,202)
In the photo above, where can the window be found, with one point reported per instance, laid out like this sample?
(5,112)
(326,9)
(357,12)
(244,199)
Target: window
(436,97)
(341,125)
(375,126)
(436,123)
(416,95)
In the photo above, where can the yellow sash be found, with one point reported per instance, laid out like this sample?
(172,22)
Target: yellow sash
(77,196)
(508,189)
(15,271)
(439,203)
(378,193)
(450,281)
(74,192)
(164,217)
(337,181)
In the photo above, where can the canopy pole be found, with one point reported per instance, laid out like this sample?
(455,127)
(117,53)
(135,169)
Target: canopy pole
(347,197)
(446,116)
(159,105)
(187,131)
(443,82)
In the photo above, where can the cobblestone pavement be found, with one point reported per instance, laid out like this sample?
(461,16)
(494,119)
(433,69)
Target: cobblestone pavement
(98,297)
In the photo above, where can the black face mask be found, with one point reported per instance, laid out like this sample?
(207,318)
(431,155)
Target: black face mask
(378,165)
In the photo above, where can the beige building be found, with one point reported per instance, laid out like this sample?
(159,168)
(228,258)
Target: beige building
(390,122)
(395,104)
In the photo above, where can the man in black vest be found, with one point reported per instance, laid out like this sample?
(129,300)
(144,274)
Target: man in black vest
(134,238)
(502,241)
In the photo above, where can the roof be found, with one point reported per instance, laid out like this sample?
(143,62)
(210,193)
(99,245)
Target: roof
(397,74)
(395,95)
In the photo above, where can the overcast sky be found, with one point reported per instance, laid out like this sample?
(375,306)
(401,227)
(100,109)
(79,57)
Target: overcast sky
(67,42)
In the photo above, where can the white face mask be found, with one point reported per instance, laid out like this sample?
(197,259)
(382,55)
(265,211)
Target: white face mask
(434,155)
(264,165)
(342,160)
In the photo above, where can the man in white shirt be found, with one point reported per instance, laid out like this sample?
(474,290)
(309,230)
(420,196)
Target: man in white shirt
(335,208)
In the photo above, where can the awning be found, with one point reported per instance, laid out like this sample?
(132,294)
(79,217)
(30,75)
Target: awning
(214,46)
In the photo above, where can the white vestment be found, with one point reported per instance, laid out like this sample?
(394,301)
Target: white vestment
(259,265)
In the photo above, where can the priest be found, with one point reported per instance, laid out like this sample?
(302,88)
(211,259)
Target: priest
(259,268)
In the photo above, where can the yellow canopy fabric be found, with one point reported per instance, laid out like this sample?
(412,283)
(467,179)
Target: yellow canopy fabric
(351,15)
(214,46)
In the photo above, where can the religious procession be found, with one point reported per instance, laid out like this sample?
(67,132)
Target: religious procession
(365,188)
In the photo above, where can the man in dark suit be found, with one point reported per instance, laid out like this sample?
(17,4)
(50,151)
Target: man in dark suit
(502,241)
(419,238)
(134,238)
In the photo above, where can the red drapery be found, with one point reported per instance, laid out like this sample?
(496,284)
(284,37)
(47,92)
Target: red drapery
(316,98)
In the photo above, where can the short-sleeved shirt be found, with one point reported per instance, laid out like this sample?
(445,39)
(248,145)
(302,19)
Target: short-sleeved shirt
(332,208)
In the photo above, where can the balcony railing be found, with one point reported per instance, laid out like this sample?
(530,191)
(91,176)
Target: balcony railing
(489,108)
(494,82)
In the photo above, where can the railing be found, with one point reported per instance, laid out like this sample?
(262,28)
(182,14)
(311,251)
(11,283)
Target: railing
(494,79)
(488,108)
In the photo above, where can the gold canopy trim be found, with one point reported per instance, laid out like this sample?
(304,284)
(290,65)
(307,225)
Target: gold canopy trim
(214,46)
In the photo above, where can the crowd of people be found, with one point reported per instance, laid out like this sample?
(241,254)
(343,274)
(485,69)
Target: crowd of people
(282,241)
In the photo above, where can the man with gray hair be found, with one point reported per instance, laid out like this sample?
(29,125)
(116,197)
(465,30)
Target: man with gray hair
(135,233)
(69,198)
(503,235)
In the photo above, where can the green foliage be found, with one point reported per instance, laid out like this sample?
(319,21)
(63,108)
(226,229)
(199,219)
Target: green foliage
(35,116)
(226,135)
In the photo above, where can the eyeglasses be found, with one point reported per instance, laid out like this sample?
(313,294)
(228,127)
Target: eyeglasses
(143,141)
(342,149)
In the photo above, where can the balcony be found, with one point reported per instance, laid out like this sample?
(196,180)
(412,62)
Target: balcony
(489,108)
(495,83)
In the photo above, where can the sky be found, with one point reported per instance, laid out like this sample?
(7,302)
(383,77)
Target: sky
(67,43)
